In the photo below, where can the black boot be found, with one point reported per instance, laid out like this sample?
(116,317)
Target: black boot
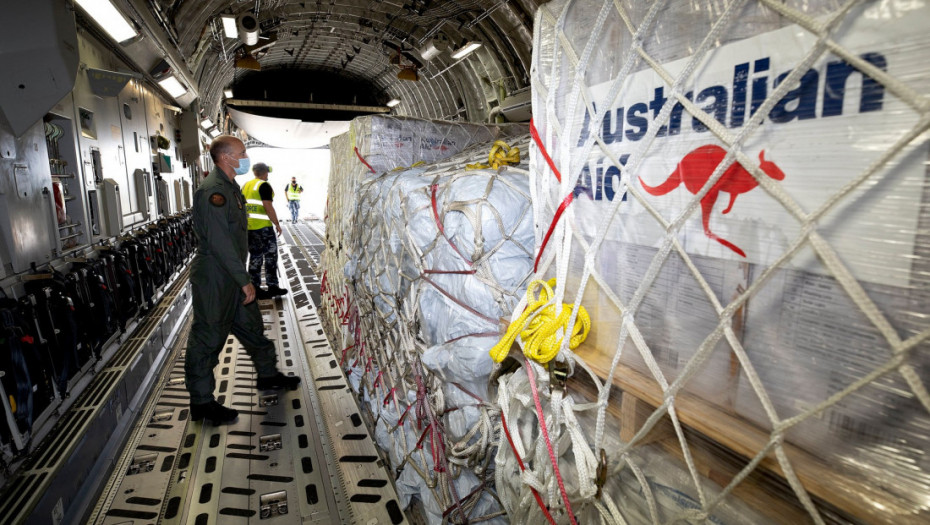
(277,381)
(213,411)
(275,291)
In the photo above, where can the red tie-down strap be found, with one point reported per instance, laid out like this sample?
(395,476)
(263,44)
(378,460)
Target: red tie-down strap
(344,352)
(565,203)
(442,230)
(513,447)
(359,155)
(345,316)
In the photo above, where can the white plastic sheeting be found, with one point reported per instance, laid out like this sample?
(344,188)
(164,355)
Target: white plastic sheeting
(747,228)
(434,256)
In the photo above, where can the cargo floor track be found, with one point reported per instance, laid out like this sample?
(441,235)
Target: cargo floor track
(301,456)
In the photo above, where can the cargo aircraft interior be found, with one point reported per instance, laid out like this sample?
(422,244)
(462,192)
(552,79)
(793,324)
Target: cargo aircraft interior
(464,262)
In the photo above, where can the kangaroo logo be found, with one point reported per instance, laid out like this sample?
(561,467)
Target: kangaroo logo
(695,170)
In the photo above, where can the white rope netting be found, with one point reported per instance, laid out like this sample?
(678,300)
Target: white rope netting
(748,228)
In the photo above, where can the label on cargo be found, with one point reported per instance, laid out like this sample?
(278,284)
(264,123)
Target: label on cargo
(830,126)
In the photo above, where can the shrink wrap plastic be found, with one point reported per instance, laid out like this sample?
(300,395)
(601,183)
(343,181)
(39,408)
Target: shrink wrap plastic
(383,143)
(748,230)
(425,309)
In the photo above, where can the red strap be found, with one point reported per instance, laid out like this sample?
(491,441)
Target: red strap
(542,150)
(458,302)
(359,155)
(479,334)
(451,272)
(565,203)
(344,351)
(403,416)
(387,398)
(555,221)
(545,434)
(439,225)
(522,468)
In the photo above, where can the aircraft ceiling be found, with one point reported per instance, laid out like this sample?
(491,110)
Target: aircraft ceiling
(350,52)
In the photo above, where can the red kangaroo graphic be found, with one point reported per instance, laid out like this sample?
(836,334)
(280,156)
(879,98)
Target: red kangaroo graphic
(695,170)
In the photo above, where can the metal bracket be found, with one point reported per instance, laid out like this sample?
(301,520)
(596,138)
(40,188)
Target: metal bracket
(558,375)
(600,478)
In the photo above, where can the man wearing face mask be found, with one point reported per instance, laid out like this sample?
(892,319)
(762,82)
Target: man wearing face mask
(223,294)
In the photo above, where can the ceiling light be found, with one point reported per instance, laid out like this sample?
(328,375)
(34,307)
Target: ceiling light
(206,123)
(248,29)
(227,93)
(109,19)
(172,86)
(433,47)
(214,133)
(229,26)
(393,102)
(466,48)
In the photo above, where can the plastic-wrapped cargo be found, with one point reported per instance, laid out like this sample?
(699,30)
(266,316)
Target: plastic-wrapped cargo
(739,199)
(373,145)
(437,255)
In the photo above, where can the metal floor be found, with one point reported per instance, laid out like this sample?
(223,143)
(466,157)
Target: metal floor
(281,461)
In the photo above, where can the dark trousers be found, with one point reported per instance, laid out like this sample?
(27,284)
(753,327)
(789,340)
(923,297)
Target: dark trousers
(263,248)
(206,341)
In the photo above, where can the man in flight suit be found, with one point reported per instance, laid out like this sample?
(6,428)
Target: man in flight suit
(223,294)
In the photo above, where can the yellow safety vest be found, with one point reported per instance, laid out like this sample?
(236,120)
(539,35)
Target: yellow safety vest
(258,219)
(292,193)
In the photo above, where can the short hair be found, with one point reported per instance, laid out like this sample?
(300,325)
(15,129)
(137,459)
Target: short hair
(221,145)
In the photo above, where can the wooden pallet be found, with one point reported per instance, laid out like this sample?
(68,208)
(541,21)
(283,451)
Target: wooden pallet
(716,437)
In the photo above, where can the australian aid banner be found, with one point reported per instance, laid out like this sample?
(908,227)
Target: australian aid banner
(825,131)
(804,335)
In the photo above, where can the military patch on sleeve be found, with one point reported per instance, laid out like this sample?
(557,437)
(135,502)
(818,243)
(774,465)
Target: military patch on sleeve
(217,199)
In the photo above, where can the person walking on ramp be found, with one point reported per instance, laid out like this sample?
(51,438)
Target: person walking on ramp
(293,197)
(223,294)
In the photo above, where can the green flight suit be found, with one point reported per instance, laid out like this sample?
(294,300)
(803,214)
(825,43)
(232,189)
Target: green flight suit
(217,276)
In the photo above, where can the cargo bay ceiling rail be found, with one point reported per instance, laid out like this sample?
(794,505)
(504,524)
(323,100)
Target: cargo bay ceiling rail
(453,60)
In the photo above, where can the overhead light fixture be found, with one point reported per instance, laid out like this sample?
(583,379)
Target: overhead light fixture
(393,102)
(433,47)
(109,19)
(206,123)
(172,86)
(228,93)
(466,49)
(229,26)
(248,29)
(215,133)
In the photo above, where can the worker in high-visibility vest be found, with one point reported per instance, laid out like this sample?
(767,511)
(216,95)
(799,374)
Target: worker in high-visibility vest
(263,246)
(293,191)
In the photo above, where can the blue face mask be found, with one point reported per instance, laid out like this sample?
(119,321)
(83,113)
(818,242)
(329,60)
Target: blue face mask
(244,165)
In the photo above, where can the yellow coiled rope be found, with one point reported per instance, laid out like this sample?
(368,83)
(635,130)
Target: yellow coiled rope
(501,155)
(540,337)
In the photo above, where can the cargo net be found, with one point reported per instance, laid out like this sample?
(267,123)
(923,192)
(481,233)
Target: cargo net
(374,145)
(438,254)
(735,192)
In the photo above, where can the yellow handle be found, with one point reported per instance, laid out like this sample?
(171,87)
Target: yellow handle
(538,327)
(501,154)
